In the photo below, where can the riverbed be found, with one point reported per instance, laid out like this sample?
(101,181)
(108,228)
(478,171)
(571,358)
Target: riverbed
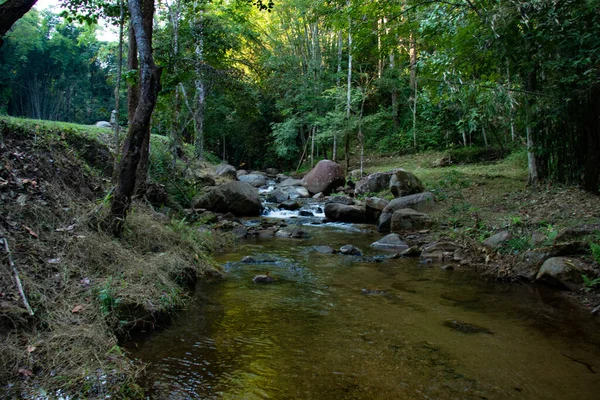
(367,327)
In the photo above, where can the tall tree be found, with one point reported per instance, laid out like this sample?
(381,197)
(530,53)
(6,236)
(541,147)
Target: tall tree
(139,128)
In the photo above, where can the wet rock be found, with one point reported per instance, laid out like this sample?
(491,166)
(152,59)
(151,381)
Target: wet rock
(290,232)
(447,267)
(305,213)
(373,292)
(324,177)
(241,172)
(459,255)
(291,182)
(318,196)
(289,205)
(413,251)
(373,208)
(266,278)
(350,250)
(324,249)
(343,213)
(408,219)
(271,171)
(466,327)
(391,242)
(562,272)
(497,240)
(239,198)
(253,179)
(345,200)
(428,257)
(226,170)
(384,223)
(248,260)
(301,191)
(278,195)
(239,232)
(373,183)
(404,183)
(420,202)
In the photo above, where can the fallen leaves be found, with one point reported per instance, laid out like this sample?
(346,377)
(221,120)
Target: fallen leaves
(30,231)
(77,309)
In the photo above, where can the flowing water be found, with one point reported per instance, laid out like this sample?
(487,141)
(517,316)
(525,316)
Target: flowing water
(345,327)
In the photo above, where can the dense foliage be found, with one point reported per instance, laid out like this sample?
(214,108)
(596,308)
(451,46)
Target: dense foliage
(313,79)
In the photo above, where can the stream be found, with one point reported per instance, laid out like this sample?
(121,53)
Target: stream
(348,327)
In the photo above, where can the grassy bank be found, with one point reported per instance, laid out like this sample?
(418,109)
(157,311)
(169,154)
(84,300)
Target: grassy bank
(84,287)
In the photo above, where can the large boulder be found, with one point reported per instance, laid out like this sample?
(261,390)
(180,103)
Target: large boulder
(373,207)
(345,200)
(344,213)
(373,183)
(239,198)
(419,202)
(255,180)
(324,177)
(562,272)
(226,170)
(408,219)
(404,183)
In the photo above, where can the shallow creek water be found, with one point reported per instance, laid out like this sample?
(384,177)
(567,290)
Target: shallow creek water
(340,327)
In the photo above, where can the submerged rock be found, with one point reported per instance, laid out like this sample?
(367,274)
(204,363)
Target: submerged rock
(467,328)
(266,278)
(324,249)
(350,250)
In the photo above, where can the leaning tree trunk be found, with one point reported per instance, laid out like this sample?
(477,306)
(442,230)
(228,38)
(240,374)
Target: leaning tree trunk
(140,123)
(10,12)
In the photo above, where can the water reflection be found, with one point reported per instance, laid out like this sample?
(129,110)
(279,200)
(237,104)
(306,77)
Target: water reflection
(334,327)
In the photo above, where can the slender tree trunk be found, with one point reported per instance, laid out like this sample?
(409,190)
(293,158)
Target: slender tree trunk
(174,15)
(338,84)
(198,29)
(485,141)
(140,123)
(133,89)
(116,125)
(348,91)
(413,84)
(531,141)
(312,147)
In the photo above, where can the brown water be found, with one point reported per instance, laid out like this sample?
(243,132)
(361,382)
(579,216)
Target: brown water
(336,327)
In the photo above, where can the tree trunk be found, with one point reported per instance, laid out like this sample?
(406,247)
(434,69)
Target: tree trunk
(10,12)
(140,123)
(348,92)
(413,84)
(117,110)
(591,174)
(198,29)
(338,81)
(174,15)
(531,158)
(142,169)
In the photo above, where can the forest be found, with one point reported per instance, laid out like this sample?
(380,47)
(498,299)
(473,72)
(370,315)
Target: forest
(280,83)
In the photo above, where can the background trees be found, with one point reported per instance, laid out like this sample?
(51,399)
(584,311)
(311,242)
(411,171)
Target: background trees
(319,79)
